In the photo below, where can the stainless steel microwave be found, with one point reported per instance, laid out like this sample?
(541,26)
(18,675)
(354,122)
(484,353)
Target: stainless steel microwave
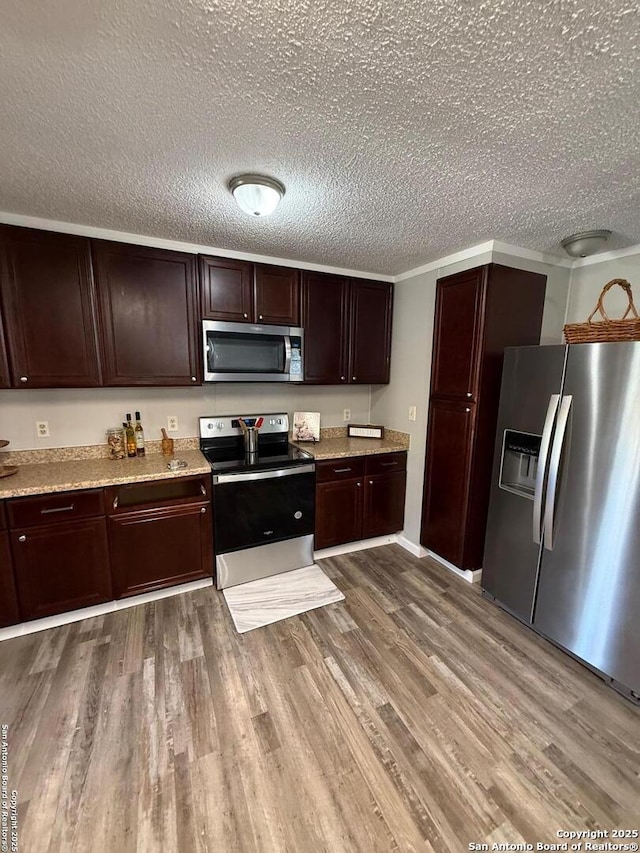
(243,352)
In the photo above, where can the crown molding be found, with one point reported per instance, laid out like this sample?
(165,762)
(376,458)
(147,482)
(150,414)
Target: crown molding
(456,257)
(532,255)
(7,218)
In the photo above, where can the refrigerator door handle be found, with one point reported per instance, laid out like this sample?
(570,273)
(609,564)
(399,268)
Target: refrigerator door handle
(547,432)
(554,468)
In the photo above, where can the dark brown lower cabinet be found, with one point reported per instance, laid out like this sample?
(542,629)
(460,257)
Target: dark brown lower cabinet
(384,504)
(160,534)
(359,497)
(61,566)
(9,613)
(338,513)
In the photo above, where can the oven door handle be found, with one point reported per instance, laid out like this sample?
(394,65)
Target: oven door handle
(221,479)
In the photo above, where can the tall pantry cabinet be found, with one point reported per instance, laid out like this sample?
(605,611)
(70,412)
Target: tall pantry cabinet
(479,312)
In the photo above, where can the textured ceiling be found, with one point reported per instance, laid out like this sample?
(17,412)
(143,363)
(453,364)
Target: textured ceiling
(402,131)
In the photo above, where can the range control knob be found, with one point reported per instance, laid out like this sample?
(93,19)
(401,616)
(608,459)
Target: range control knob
(210,426)
(297,515)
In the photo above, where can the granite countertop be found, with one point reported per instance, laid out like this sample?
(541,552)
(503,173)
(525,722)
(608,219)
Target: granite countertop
(44,477)
(340,447)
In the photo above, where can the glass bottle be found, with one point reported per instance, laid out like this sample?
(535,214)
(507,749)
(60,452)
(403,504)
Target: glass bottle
(139,435)
(131,437)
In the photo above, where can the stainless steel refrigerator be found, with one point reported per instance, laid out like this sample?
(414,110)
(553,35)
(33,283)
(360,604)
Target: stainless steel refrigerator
(562,551)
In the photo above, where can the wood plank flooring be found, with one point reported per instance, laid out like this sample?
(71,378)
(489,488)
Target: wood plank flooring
(413,716)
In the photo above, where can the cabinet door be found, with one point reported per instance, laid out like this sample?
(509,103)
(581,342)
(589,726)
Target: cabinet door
(148,315)
(447,478)
(277,295)
(371,308)
(152,549)
(458,325)
(49,305)
(227,287)
(384,504)
(325,323)
(338,513)
(9,613)
(60,567)
(5,378)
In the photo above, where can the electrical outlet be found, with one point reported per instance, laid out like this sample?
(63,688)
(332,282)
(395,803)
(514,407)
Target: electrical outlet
(346,414)
(42,429)
(412,413)
(172,423)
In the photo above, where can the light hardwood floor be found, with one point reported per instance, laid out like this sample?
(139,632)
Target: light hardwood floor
(412,716)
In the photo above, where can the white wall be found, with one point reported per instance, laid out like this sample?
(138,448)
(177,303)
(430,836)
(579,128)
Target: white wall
(587,282)
(81,416)
(413,317)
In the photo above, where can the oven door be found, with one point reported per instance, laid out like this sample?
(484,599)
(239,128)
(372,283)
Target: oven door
(261,507)
(242,352)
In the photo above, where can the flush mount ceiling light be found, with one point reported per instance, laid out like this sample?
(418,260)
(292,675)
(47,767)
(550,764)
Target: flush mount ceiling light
(585,243)
(257,195)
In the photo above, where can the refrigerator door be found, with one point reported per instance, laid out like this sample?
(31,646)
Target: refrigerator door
(589,587)
(529,397)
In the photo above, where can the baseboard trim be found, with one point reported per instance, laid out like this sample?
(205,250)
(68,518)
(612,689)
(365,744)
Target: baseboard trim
(465,574)
(24,628)
(350,547)
(411,547)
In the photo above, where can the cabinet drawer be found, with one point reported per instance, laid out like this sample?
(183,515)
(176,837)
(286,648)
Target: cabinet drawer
(154,494)
(386,463)
(339,469)
(49,509)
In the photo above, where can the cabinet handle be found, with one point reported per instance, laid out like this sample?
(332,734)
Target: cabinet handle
(115,502)
(354,378)
(371,482)
(469,394)
(203,491)
(260,317)
(467,409)
(388,464)
(22,538)
(203,509)
(342,377)
(24,379)
(245,316)
(193,379)
(358,484)
(57,509)
(341,470)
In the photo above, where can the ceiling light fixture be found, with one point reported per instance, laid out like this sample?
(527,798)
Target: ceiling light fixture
(257,195)
(585,243)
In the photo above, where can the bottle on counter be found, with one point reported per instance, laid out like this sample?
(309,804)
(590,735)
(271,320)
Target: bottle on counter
(139,436)
(131,437)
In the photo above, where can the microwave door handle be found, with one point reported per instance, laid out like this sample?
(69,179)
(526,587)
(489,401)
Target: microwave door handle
(287,355)
(554,470)
(547,432)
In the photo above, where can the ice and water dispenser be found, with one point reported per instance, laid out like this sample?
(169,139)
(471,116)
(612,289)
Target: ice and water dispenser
(520,452)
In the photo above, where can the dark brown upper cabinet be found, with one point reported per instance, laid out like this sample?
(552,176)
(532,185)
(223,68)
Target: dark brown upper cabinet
(5,378)
(479,312)
(227,289)
(277,295)
(242,292)
(325,319)
(370,350)
(48,299)
(148,314)
(347,328)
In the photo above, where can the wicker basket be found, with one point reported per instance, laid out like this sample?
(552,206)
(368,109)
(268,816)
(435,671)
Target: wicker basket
(606,330)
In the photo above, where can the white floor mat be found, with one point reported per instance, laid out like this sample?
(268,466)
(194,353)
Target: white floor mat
(269,600)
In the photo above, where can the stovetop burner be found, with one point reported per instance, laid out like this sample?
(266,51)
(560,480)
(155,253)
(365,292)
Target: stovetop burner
(270,456)
(222,444)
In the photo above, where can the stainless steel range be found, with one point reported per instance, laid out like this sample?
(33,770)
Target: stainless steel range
(263,498)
